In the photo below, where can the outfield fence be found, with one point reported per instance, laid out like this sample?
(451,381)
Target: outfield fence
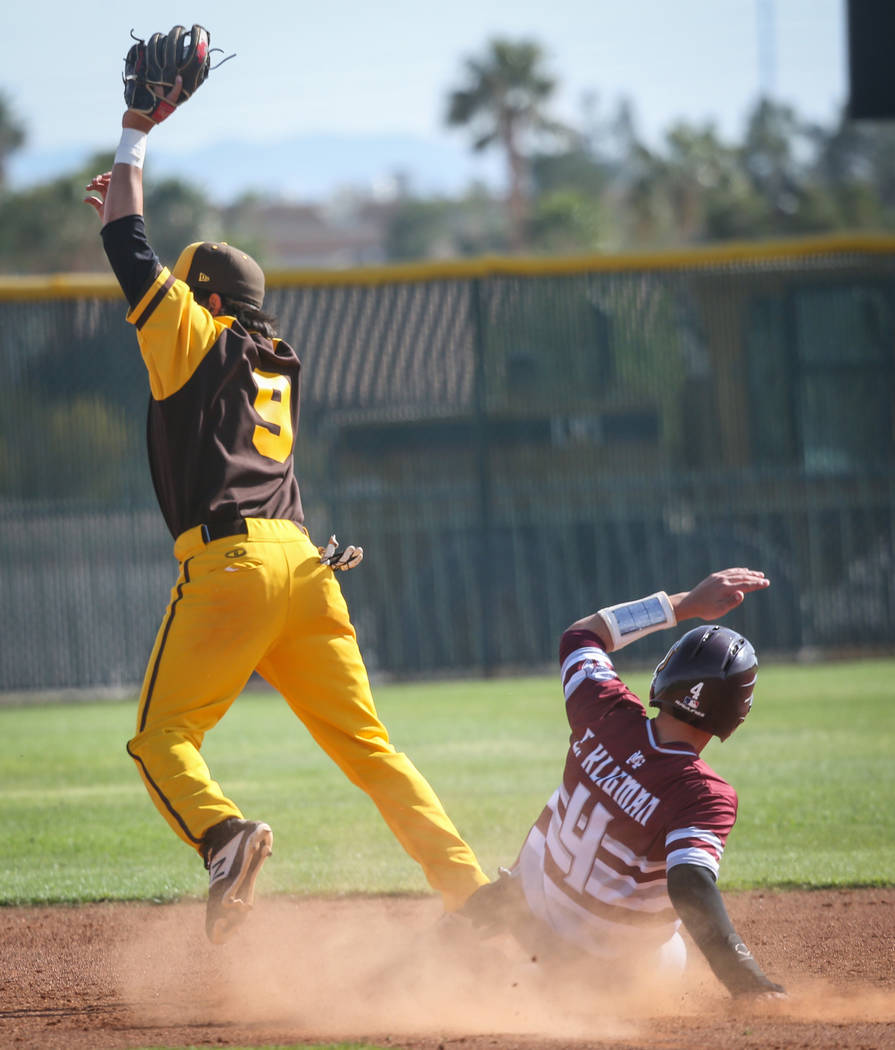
(514,442)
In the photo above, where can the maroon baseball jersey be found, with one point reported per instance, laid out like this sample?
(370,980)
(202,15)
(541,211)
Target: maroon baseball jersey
(629,808)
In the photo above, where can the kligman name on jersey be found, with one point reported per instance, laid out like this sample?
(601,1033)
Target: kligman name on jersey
(615,782)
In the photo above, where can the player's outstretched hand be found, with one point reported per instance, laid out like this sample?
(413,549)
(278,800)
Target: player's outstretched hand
(98,185)
(717,594)
(766,991)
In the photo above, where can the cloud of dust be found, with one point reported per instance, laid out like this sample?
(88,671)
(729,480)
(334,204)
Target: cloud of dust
(825,1001)
(367,967)
(354,966)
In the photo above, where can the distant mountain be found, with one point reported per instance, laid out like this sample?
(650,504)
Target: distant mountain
(32,167)
(306,168)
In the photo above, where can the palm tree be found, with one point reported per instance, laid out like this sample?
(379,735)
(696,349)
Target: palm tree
(502,102)
(12,136)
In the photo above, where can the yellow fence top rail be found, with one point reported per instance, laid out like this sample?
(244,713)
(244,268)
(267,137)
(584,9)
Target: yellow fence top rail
(76,286)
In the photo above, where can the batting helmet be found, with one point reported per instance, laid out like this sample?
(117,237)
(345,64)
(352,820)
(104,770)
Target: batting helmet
(706,680)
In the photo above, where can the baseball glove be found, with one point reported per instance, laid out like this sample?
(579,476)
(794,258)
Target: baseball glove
(151,68)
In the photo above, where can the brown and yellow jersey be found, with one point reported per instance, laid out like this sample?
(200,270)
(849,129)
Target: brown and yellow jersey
(223,411)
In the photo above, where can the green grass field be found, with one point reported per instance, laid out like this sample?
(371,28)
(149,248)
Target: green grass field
(813,768)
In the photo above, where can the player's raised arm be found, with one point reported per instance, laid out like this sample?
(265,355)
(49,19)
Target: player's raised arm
(125,190)
(711,598)
(159,76)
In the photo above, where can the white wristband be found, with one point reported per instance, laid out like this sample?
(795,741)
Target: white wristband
(132,147)
(632,620)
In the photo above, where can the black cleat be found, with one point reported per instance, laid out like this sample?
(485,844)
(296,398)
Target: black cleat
(234,853)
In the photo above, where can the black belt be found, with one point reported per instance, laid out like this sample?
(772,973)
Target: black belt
(217,530)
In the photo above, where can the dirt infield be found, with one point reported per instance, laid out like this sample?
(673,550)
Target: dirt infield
(385,971)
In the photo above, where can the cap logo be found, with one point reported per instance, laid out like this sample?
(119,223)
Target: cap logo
(235,276)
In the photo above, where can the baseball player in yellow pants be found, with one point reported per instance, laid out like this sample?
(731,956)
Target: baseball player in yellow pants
(254,592)
(281,612)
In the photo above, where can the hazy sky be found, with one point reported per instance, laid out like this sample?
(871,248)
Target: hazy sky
(360,68)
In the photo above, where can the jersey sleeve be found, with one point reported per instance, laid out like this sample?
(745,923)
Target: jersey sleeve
(590,683)
(174,332)
(697,834)
(130,255)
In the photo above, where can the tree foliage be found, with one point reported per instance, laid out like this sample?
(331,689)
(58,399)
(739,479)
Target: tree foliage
(606,188)
(48,229)
(12,136)
(503,102)
(596,187)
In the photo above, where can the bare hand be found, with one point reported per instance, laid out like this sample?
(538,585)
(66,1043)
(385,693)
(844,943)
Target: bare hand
(99,184)
(761,998)
(717,594)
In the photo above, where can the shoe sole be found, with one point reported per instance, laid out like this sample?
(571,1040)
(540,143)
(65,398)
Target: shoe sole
(235,905)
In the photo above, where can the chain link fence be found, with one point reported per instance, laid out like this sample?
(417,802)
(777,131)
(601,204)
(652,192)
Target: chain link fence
(514,442)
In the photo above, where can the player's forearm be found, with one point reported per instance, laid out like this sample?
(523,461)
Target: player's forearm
(679,606)
(125,196)
(710,599)
(124,236)
(697,901)
(619,625)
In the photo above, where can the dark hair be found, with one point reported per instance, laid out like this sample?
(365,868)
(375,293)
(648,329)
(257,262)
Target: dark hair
(251,319)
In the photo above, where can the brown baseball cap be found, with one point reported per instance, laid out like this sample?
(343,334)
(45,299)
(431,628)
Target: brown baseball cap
(215,266)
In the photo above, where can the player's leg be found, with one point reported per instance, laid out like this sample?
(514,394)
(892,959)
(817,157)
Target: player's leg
(213,633)
(318,667)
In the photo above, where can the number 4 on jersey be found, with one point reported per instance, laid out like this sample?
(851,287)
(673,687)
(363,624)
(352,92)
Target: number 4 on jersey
(580,835)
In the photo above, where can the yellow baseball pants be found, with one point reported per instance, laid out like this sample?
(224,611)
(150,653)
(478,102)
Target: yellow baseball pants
(263,601)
